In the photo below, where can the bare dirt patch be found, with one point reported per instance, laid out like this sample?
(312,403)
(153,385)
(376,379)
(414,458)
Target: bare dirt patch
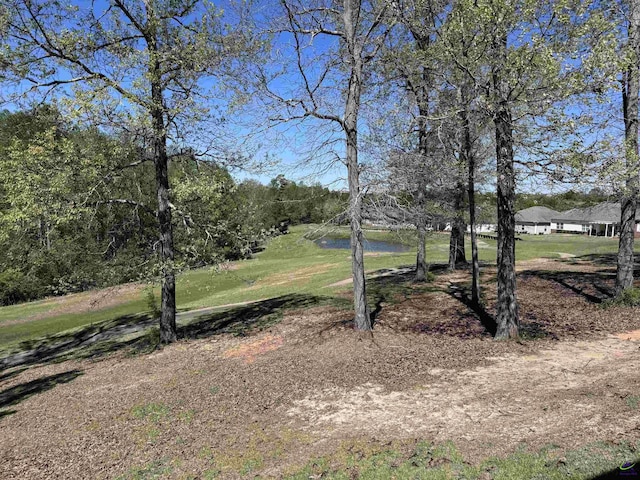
(271,401)
(248,351)
(633,335)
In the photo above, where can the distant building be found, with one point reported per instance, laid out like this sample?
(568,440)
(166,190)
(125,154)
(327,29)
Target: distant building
(535,220)
(484,228)
(599,220)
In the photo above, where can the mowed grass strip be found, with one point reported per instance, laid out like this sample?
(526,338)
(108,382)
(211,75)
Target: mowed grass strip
(289,264)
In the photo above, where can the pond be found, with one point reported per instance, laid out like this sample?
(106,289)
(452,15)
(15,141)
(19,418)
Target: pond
(369,245)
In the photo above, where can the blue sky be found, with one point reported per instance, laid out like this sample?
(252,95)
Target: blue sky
(291,144)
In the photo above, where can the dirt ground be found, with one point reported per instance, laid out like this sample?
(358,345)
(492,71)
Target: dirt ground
(273,400)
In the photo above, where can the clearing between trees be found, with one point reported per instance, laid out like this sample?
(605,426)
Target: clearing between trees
(301,394)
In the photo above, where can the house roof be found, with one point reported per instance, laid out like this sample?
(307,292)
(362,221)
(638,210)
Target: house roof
(607,212)
(536,215)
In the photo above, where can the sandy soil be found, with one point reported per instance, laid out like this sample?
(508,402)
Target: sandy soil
(271,401)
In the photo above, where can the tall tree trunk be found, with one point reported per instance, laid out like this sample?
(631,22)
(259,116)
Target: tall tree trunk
(468,156)
(629,201)
(362,320)
(475,263)
(421,221)
(422,100)
(421,256)
(457,254)
(507,305)
(168,330)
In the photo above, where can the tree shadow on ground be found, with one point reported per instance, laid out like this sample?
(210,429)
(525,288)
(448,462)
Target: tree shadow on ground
(393,286)
(397,287)
(595,287)
(139,333)
(463,295)
(16,394)
(254,316)
(59,346)
(601,259)
(12,373)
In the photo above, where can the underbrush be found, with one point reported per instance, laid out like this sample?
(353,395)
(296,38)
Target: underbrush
(630,297)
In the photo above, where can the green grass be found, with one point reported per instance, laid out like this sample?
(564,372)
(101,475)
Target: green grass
(154,470)
(151,411)
(289,264)
(444,462)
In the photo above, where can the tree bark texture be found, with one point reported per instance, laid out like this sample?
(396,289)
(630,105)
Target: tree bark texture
(362,320)
(422,100)
(457,254)
(468,156)
(168,330)
(421,256)
(629,200)
(507,306)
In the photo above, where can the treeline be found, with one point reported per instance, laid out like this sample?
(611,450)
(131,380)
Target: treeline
(561,201)
(77,209)
(485,202)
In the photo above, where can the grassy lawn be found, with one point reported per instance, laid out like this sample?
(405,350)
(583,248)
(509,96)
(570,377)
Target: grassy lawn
(289,264)
(444,462)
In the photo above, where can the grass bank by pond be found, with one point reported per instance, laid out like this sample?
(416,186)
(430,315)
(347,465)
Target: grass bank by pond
(289,264)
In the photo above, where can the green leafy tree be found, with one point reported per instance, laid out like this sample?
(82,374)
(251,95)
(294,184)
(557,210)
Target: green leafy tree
(524,67)
(145,62)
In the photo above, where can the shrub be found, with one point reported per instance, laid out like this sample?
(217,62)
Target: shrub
(17,287)
(630,297)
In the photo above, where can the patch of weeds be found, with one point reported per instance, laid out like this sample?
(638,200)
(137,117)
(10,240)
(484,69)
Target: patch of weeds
(214,390)
(443,461)
(629,297)
(285,439)
(598,458)
(153,470)
(187,415)
(151,434)
(211,474)
(633,401)
(151,411)
(523,464)
(240,462)
(250,465)
(438,462)
(206,453)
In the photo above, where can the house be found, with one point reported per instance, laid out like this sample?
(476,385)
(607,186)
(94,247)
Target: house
(535,220)
(486,218)
(599,220)
(484,228)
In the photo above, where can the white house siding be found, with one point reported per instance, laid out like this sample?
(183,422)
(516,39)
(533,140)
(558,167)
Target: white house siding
(567,227)
(533,229)
(483,228)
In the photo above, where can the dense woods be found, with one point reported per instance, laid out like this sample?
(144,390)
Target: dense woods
(73,218)
(118,148)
